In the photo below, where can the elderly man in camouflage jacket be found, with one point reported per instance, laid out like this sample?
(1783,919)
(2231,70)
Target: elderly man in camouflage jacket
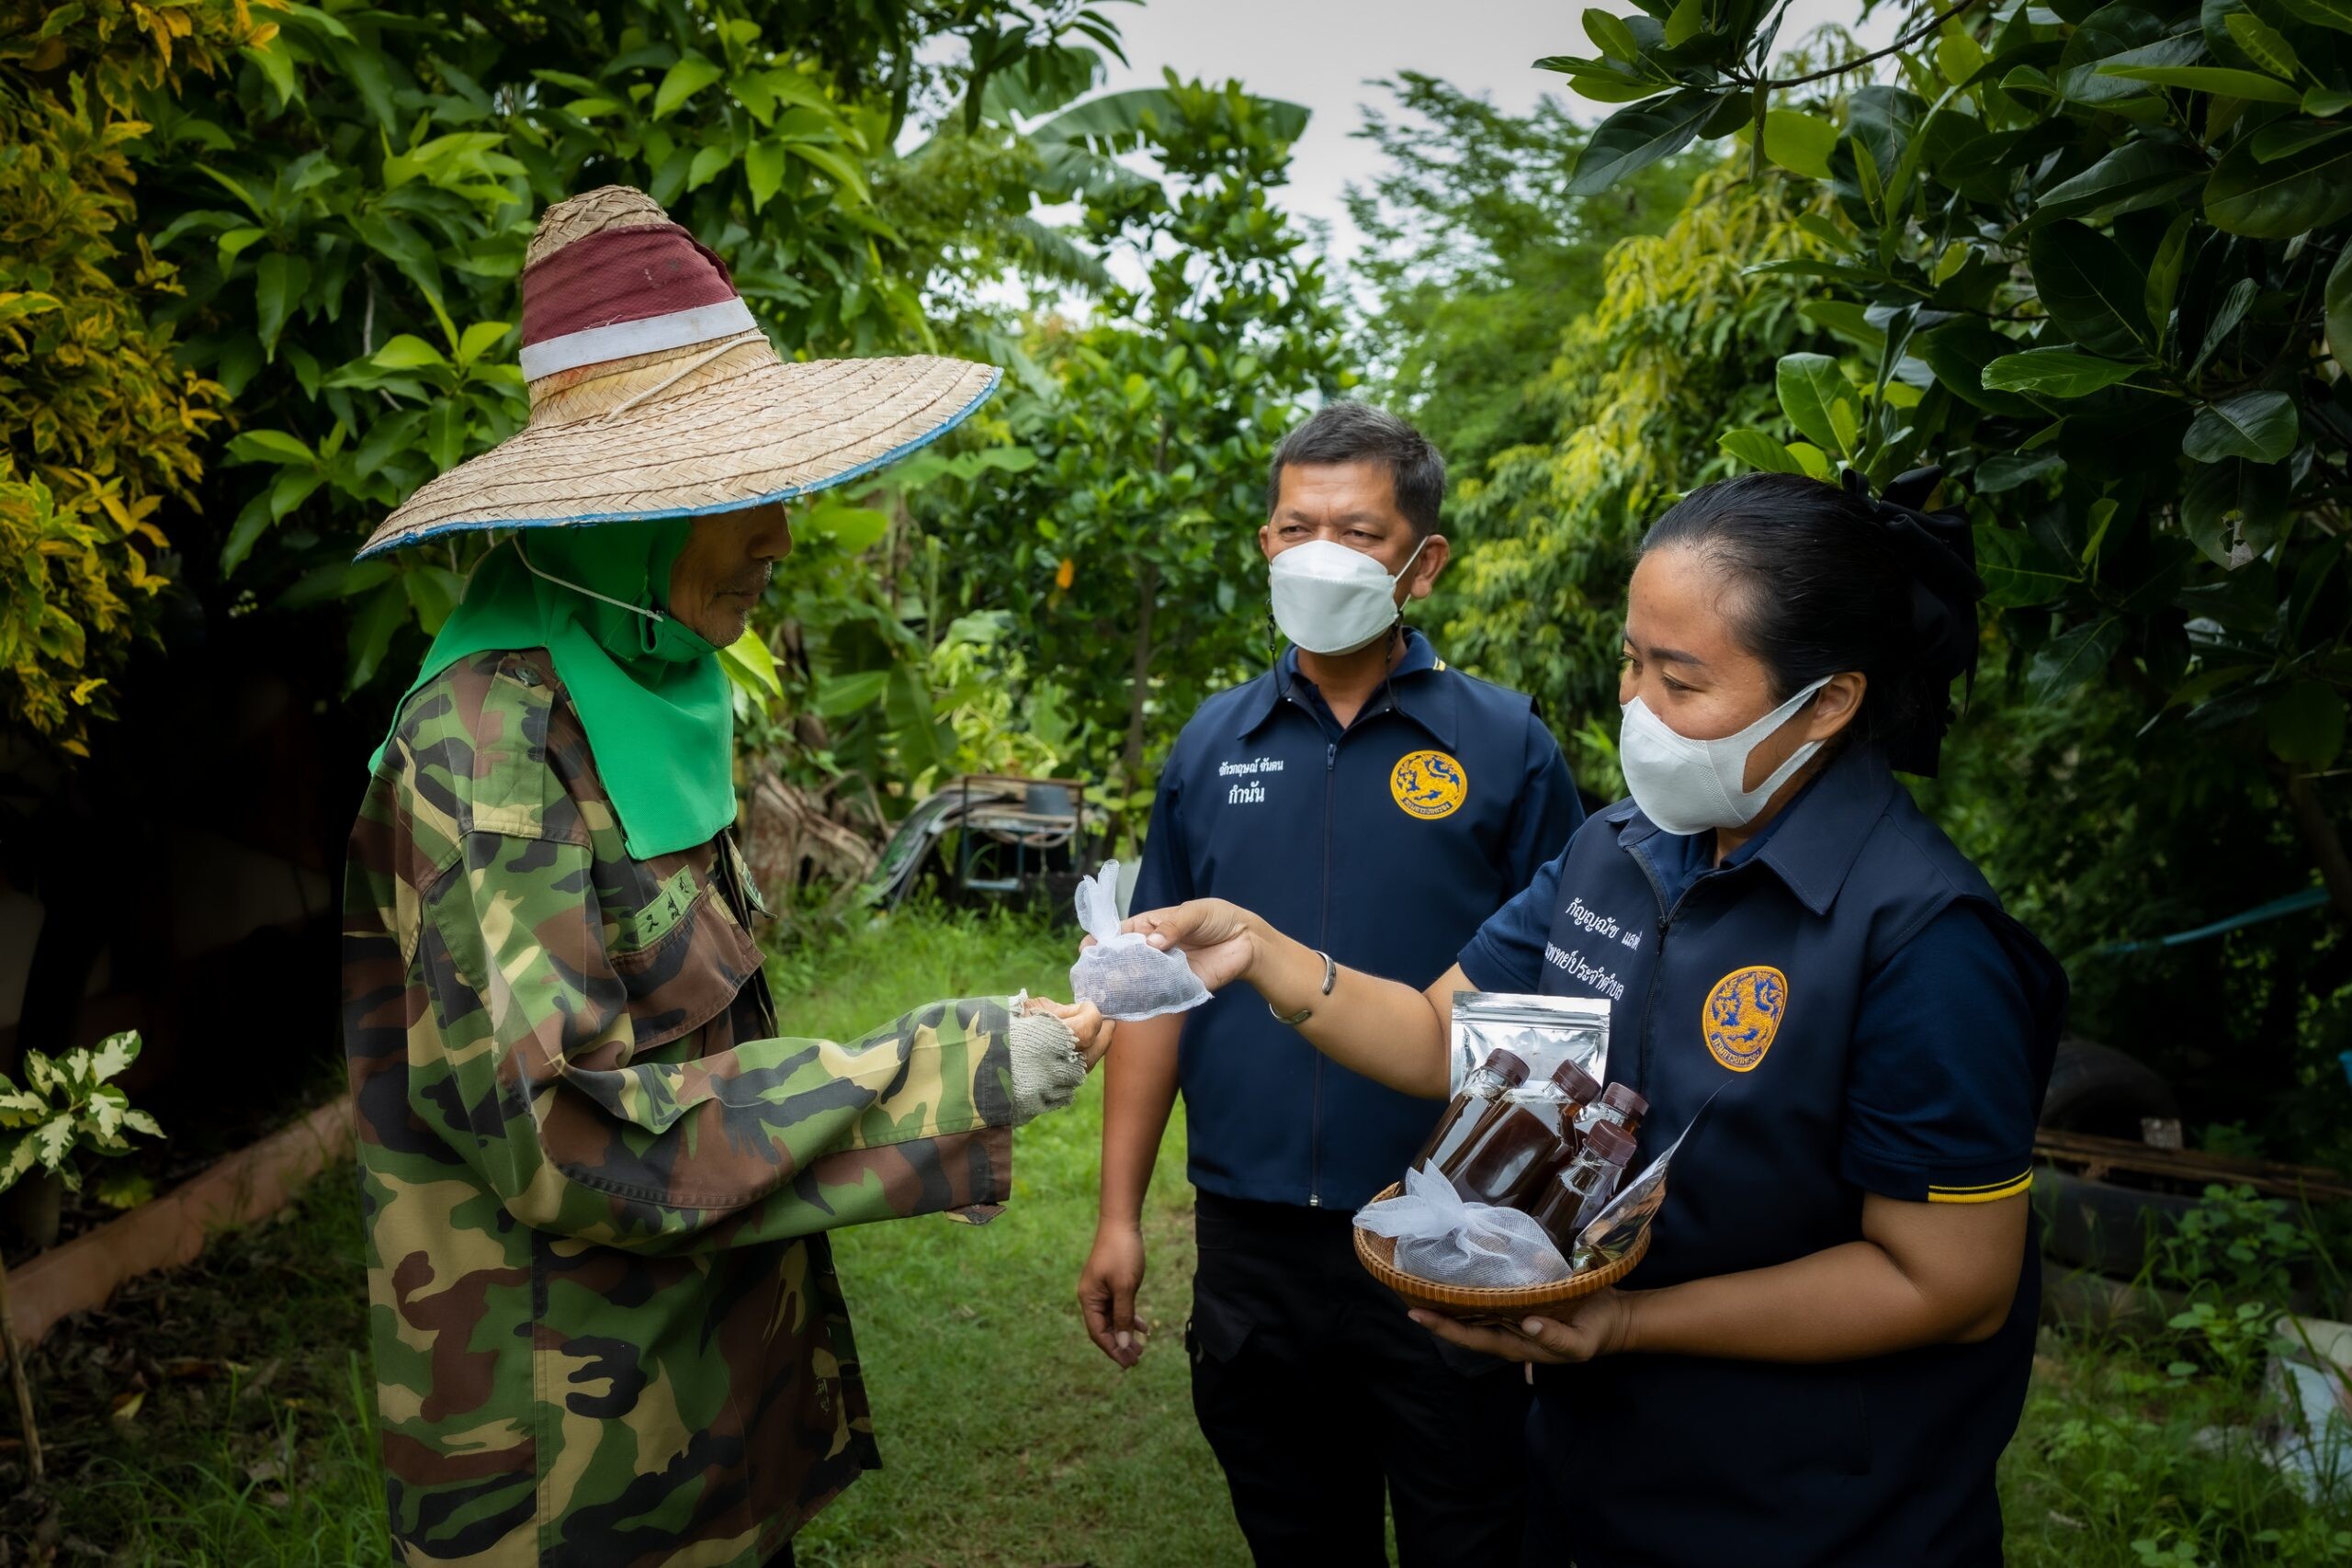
(596,1176)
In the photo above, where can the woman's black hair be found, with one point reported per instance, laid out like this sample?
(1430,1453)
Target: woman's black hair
(1827,578)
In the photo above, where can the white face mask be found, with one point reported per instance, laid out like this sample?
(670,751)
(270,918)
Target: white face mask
(1331,599)
(1691,787)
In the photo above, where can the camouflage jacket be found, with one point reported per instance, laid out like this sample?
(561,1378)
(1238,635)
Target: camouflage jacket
(605,1324)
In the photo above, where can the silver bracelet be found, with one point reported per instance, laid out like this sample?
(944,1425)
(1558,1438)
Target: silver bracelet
(1330,978)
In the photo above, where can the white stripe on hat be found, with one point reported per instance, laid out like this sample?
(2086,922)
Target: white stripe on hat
(679,329)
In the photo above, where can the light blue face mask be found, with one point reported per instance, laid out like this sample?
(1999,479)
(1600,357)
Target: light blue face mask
(1690,786)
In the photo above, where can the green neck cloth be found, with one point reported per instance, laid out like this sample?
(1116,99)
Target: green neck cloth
(651,694)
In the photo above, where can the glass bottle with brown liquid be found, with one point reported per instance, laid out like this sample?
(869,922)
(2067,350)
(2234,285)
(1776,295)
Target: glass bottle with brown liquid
(1620,1104)
(1580,1188)
(1501,1072)
(1517,1140)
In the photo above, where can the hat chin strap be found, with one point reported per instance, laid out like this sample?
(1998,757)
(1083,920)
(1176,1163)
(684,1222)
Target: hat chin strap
(685,369)
(656,617)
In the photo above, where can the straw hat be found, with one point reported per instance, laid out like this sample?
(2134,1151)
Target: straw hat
(655,394)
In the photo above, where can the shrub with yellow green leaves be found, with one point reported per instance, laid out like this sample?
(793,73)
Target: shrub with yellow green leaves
(99,421)
(1682,343)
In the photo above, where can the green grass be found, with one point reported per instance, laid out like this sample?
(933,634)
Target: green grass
(242,1438)
(2121,1465)
(1006,1437)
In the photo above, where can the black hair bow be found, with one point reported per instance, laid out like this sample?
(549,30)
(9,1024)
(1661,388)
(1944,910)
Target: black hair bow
(1941,555)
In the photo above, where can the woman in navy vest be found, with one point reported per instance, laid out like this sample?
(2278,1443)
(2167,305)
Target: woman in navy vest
(1827,1346)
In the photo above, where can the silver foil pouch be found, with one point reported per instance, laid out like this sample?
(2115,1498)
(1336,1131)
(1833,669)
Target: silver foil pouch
(1543,1031)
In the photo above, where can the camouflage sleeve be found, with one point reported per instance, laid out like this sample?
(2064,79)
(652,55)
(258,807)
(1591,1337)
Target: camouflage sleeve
(534,1085)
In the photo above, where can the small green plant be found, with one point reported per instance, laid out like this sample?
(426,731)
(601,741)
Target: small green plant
(2167,1551)
(2234,1342)
(2236,1244)
(67,1108)
(2163,1451)
(2235,1254)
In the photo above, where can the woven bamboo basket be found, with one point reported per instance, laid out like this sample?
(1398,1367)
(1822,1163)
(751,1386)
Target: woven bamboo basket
(1486,1305)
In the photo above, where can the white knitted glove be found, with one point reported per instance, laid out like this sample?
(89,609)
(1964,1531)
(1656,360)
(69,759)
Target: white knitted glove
(1046,1068)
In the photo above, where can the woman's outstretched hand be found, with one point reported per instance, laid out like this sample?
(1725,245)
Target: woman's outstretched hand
(1085,1021)
(1214,934)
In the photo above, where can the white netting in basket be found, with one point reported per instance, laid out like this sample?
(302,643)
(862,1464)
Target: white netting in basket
(1440,1238)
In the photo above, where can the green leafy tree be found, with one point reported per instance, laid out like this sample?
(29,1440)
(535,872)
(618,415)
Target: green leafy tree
(882,687)
(1125,557)
(2096,264)
(856,628)
(350,208)
(1682,338)
(2093,261)
(964,199)
(900,659)
(102,422)
(1475,255)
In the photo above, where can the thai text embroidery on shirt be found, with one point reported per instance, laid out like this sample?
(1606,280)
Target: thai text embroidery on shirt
(1591,920)
(1254,792)
(1602,980)
(1601,925)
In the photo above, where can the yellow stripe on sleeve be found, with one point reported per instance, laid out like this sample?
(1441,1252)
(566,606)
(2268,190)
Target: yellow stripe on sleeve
(1986,1193)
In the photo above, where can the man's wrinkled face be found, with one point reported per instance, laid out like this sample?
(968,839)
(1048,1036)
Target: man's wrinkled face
(725,568)
(1352,504)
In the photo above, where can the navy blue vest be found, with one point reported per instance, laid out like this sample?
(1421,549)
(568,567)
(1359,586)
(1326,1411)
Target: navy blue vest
(1746,984)
(1385,845)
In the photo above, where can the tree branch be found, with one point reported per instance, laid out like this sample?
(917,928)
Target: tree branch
(16,1358)
(1140,673)
(2322,839)
(1923,30)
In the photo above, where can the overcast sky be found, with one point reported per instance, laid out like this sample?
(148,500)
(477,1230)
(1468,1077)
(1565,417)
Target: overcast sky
(1324,54)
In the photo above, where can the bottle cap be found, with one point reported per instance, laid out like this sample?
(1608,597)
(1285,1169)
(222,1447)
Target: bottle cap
(1618,1097)
(1508,1065)
(1575,1083)
(1610,1142)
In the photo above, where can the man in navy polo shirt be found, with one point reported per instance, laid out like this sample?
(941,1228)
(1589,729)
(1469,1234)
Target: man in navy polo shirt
(1381,805)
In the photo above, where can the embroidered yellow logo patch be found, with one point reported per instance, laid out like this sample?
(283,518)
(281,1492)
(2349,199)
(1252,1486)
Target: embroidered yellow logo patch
(1429,785)
(1742,1014)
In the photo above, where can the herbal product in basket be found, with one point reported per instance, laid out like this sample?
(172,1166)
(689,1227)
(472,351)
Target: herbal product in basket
(1520,1138)
(1500,1073)
(1611,1234)
(1578,1190)
(1617,1103)
(1442,1239)
(1543,1031)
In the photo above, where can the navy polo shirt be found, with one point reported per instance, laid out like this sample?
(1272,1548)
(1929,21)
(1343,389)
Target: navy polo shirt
(1868,1020)
(1386,844)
